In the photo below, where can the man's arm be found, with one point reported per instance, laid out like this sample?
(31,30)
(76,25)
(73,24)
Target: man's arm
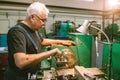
(57,42)
(23,60)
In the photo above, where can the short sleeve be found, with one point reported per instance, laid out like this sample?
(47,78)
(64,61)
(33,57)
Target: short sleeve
(16,41)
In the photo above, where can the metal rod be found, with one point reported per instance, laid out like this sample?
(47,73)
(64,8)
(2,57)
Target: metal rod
(110,53)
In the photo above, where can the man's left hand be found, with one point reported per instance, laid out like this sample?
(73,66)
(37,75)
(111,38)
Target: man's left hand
(68,43)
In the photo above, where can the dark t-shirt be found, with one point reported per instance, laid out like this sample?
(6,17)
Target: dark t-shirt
(18,41)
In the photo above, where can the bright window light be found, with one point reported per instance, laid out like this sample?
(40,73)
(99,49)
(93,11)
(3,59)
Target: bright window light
(113,3)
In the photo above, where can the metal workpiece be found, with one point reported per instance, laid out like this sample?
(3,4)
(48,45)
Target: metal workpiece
(66,60)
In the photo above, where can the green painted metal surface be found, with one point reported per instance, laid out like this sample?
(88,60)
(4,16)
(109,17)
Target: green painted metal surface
(83,49)
(115,60)
(110,30)
(43,32)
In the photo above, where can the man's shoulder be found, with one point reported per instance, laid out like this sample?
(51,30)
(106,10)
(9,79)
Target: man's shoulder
(15,30)
(15,27)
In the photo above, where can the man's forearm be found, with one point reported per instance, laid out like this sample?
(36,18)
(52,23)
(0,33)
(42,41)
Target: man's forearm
(23,60)
(51,42)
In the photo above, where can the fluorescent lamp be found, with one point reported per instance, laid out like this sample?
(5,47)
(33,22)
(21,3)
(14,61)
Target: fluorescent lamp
(84,27)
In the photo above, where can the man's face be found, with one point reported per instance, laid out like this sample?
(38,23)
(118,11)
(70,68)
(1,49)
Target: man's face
(39,21)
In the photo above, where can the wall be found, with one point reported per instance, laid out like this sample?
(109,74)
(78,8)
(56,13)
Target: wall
(84,4)
(95,5)
(9,18)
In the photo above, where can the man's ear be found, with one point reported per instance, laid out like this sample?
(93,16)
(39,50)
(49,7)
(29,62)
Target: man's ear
(32,18)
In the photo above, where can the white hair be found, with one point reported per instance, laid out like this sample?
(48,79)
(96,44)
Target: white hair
(37,8)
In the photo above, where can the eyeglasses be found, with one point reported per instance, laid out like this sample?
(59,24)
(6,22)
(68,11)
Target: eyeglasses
(43,20)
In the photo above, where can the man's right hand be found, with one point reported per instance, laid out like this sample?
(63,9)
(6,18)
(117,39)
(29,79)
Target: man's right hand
(58,52)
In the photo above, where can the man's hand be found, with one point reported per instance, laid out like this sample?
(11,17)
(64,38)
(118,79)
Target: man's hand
(58,52)
(68,43)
